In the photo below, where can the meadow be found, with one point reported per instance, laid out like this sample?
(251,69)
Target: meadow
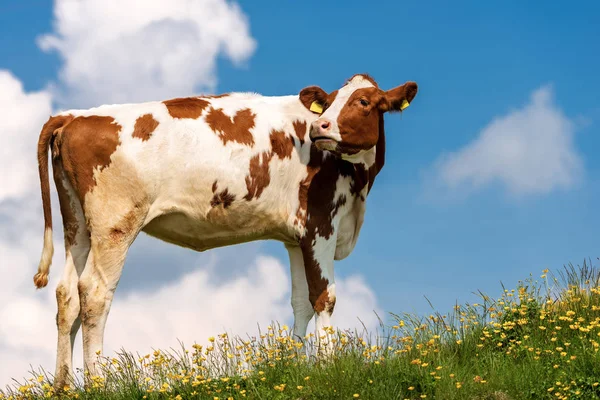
(540,340)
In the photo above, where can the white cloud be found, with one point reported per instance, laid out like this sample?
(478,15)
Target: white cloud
(530,150)
(25,113)
(118,51)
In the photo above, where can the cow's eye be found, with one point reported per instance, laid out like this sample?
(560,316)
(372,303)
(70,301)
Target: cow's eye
(364,102)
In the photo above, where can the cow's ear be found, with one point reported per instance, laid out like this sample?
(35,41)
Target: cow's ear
(313,98)
(398,98)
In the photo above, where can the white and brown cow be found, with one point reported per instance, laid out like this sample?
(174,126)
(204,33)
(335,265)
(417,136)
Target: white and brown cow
(210,171)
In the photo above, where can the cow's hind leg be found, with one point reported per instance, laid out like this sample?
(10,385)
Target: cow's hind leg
(110,241)
(77,247)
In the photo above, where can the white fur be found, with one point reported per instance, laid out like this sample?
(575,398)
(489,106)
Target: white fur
(303,310)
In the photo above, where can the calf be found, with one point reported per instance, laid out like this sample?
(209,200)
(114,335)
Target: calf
(210,171)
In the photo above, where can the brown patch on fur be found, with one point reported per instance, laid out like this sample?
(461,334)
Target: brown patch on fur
(323,304)
(300,129)
(258,177)
(221,198)
(144,126)
(358,124)
(282,144)
(186,107)
(228,130)
(87,144)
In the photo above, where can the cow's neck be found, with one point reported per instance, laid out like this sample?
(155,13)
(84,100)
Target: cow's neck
(379,154)
(368,163)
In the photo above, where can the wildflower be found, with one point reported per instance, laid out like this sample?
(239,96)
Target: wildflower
(356,395)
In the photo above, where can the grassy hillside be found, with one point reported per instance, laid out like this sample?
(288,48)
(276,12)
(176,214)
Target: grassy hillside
(538,341)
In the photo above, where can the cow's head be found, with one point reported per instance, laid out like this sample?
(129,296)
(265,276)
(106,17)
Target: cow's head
(351,118)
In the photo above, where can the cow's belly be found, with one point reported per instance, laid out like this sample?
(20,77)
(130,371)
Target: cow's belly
(203,234)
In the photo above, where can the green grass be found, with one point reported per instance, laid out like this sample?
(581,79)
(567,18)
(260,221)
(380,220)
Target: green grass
(538,341)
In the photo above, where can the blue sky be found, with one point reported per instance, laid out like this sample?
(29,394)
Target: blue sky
(475,63)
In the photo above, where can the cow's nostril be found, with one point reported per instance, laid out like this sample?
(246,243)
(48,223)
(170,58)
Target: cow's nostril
(325,125)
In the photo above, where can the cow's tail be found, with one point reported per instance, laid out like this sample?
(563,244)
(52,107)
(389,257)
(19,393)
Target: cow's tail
(41,278)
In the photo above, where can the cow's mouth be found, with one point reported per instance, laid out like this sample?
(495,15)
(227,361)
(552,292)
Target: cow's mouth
(315,138)
(325,143)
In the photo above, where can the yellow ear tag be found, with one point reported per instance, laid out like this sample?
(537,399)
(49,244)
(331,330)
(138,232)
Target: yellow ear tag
(404,105)
(316,107)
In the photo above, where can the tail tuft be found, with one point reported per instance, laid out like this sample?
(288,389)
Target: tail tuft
(41,278)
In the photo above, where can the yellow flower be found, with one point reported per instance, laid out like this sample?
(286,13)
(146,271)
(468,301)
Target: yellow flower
(356,395)
(211,339)
(299,387)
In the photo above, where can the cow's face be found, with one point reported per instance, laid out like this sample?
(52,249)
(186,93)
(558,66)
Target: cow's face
(352,117)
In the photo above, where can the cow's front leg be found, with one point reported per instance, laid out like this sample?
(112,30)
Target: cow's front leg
(303,309)
(318,264)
